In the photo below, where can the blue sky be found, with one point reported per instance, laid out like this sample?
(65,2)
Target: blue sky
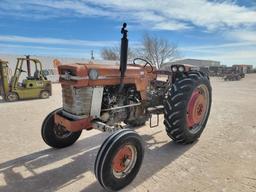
(217,29)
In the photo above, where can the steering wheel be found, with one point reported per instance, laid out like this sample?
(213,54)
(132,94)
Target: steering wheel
(146,63)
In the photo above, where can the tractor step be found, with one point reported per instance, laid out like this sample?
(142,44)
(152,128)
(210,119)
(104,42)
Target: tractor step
(157,121)
(157,110)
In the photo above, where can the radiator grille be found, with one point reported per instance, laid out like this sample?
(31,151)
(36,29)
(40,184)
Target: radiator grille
(77,101)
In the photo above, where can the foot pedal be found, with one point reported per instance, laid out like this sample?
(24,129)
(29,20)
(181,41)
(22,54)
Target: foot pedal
(157,121)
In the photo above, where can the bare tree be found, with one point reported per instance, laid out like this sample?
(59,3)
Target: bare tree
(110,53)
(157,50)
(113,53)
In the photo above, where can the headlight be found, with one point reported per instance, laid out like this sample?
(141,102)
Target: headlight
(93,74)
(181,68)
(174,69)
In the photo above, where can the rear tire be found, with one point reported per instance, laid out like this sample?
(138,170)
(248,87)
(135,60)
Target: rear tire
(44,94)
(187,107)
(119,160)
(57,136)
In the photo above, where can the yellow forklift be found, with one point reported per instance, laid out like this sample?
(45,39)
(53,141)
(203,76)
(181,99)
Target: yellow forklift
(28,81)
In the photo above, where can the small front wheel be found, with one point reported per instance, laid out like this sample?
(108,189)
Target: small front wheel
(57,136)
(119,160)
(11,97)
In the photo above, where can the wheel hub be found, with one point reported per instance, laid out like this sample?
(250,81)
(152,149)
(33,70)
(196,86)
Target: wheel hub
(45,95)
(196,108)
(61,132)
(122,159)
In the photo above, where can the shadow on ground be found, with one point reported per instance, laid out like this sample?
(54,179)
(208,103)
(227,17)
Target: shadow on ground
(50,169)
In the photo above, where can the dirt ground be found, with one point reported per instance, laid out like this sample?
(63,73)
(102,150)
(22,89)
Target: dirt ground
(224,158)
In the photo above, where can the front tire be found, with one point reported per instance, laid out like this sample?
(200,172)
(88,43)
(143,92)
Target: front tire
(187,107)
(57,136)
(11,97)
(119,160)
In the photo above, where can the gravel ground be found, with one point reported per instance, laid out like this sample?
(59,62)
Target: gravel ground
(223,159)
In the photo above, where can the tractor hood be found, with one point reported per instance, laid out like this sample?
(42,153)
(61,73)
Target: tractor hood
(81,75)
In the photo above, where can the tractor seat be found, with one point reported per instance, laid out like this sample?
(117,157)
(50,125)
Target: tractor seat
(37,75)
(30,78)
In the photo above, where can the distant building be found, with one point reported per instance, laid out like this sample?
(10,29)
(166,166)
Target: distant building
(245,68)
(194,62)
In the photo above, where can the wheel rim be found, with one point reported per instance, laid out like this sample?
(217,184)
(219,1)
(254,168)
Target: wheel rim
(60,132)
(124,161)
(45,95)
(197,109)
(12,97)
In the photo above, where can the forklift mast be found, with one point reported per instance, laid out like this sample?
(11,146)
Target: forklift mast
(4,82)
(28,65)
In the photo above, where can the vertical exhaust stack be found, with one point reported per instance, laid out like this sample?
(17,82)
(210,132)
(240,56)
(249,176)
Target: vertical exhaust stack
(123,54)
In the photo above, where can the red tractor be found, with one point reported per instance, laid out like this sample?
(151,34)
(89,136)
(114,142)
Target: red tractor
(103,96)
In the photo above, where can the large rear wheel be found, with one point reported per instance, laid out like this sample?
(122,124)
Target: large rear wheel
(57,136)
(119,160)
(44,94)
(187,107)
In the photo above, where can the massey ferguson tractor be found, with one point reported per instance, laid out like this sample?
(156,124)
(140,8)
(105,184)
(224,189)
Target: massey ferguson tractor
(106,97)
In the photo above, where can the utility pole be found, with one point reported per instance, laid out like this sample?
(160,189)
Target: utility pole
(92,57)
